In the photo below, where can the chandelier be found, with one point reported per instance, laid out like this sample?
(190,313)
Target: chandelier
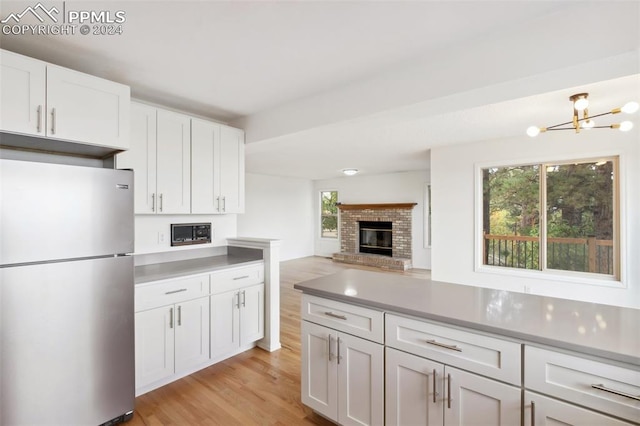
(580,103)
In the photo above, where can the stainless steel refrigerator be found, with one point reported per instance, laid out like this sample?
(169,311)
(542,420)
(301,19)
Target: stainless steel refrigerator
(66,294)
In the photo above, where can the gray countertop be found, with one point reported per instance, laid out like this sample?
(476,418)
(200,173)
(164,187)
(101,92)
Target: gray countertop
(600,330)
(167,270)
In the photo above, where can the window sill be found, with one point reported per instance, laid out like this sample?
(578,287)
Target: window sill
(580,278)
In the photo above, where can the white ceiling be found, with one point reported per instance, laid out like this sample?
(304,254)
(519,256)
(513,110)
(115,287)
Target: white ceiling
(324,85)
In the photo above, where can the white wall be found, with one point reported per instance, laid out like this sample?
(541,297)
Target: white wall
(280,208)
(153,232)
(404,187)
(454,224)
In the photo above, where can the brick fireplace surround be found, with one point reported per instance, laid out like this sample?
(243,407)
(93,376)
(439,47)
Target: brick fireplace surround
(399,214)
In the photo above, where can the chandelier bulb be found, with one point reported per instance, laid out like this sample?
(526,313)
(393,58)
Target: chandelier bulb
(630,107)
(625,126)
(588,124)
(533,131)
(580,101)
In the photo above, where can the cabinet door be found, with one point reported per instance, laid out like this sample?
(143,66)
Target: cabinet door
(252,314)
(173,163)
(154,345)
(141,157)
(475,400)
(192,333)
(542,411)
(360,381)
(231,170)
(205,169)
(22,104)
(225,323)
(87,109)
(319,370)
(413,390)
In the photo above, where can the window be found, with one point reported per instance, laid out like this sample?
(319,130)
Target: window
(571,207)
(329,214)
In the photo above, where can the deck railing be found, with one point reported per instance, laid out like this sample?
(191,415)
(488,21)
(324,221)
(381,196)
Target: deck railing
(568,254)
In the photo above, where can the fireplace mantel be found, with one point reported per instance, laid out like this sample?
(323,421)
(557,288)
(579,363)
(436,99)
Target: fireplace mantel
(376,206)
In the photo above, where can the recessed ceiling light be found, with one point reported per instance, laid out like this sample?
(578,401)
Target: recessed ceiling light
(350,172)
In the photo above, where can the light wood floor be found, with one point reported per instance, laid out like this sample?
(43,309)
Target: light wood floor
(255,387)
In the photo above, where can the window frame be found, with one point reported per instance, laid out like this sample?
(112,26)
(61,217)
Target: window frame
(337,215)
(616,280)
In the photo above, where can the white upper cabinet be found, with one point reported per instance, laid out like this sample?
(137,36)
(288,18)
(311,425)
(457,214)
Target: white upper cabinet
(173,163)
(45,100)
(22,104)
(160,155)
(87,109)
(141,157)
(217,173)
(232,169)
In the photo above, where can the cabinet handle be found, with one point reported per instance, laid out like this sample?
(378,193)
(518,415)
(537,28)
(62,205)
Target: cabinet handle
(53,121)
(238,300)
(442,345)
(533,413)
(332,315)
(161,202)
(176,291)
(217,204)
(179,315)
(39,122)
(330,354)
(241,278)
(448,390)
(224,204)
(244,298)
(338,357)
(170,317)
(434,386)
(153,202)
(615,392)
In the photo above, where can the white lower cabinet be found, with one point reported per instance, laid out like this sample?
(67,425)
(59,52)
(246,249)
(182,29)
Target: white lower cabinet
(420,391)
(342,376)
(172,330)
(171,339)
(582,384)
(237,319)
(543,411)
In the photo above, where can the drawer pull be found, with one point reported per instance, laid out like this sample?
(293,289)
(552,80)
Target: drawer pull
(241,278)
(442,345)
(434,386)
(533,413)
(448,390)
(332,315)
(330,354)
(176,291)
(616,392)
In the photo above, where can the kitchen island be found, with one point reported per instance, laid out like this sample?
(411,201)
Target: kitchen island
(540,357)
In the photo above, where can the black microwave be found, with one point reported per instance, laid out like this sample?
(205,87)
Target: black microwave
(183,234)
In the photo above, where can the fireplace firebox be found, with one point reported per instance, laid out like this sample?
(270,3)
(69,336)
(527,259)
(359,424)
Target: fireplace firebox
(376,238)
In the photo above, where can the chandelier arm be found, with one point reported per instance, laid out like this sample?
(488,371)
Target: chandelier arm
(555,126)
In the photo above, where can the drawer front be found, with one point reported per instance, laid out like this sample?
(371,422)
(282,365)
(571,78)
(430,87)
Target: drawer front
(162,293)
(612,389)
(235,278)
(356,320)
(486,355)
